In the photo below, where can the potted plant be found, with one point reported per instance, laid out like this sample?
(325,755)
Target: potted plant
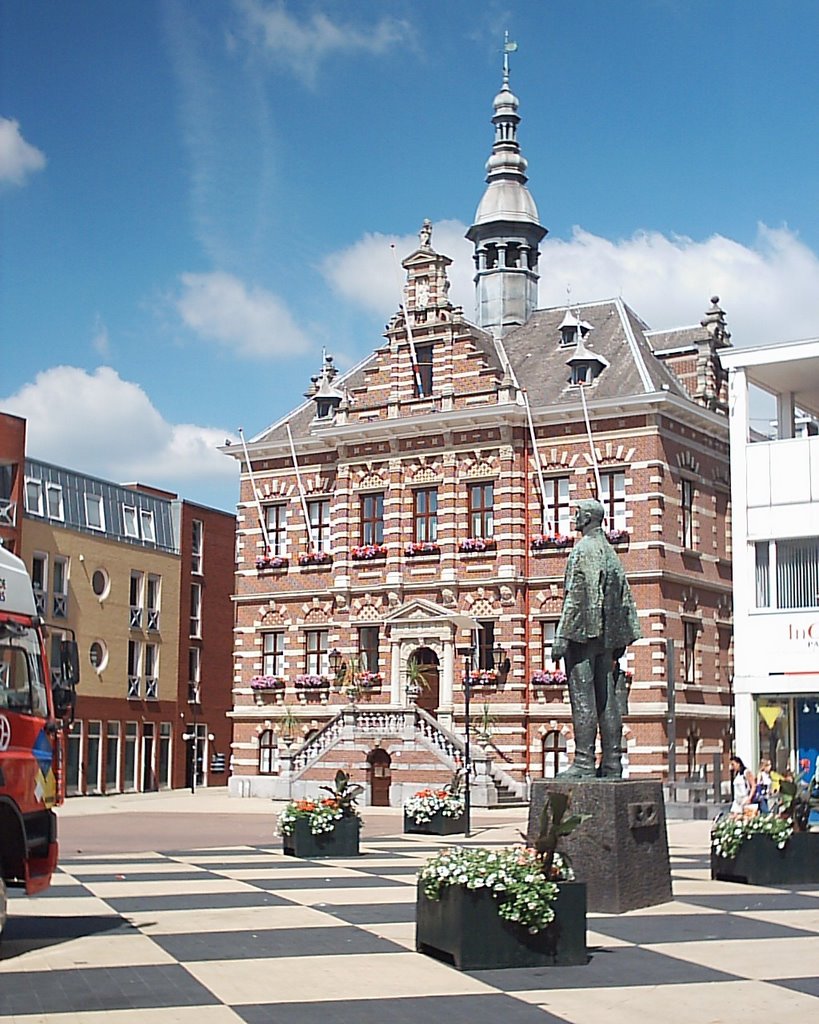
(307,558)
(547,541)
(766,849)
(471,545)
(543,677)
(271,562)
(436,812)
(617,536)
(425,547)
(326,827)
(487,909)
(484,727)
(367,552)
(417,681)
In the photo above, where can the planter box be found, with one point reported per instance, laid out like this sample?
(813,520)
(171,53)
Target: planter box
(464,928)
(341,842)
(760,862)
(439,825)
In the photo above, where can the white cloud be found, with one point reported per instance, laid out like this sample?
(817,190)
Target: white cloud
(251,322)
(99,423)
(17,157)
(770,290)
(301,44)
(368,273)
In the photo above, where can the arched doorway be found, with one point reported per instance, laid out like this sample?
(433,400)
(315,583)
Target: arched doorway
(554,753)
(426,661)
(380,777)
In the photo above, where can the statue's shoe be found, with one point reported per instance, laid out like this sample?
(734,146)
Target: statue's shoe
(575,772)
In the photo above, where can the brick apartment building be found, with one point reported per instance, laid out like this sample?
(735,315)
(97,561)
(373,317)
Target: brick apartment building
(144,580)
(419,506)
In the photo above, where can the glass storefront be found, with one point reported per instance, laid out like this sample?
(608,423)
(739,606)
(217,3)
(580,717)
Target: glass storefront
(789,732)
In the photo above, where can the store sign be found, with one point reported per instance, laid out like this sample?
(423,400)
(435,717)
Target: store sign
(805,634)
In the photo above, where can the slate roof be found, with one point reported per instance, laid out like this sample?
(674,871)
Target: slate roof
(619,335)
(678,337)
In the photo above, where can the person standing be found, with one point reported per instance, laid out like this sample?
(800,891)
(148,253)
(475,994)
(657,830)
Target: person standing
(743,786)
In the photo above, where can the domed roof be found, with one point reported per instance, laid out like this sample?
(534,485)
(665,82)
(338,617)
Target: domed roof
(506,200)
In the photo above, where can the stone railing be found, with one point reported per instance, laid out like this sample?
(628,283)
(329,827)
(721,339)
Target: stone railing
(309,752)
(447,744)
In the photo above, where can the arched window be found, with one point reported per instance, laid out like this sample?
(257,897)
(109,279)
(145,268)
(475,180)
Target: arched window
(554,753)
(267,753)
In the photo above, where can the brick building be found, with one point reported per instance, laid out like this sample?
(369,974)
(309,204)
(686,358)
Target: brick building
(410,523)
(144,580)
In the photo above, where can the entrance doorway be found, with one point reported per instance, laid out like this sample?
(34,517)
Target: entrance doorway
(380,777)
(427,661)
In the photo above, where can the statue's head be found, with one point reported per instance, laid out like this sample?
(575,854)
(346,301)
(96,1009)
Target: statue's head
(589,514)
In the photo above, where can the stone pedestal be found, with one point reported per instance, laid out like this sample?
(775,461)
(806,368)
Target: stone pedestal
(621,852)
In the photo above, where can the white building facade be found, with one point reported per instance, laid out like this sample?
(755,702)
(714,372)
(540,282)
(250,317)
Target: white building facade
(775,499)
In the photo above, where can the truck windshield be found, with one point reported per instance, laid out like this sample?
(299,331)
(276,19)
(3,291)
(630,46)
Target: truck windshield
(22,687)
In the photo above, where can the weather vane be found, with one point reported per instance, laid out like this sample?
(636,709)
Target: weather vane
(508,47)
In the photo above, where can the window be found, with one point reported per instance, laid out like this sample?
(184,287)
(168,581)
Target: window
(613,500)
(547,638)
(136,599)
(558,513)
(54,501)
(372,519)
(92,758)
(320,524)
(94,512)
(762,556)
(130,775)
(98,655)
(267,753)
(318,663)
(194,674)
(423,378)
(787,573)
(197,544)
(151,671)
(22,687)
(273,654)
(112,739)
(39,581)
(134,668)
(34,497)
(797,573)
(486,645)
(146,522)
(55,656)
(582,373)
(481,514)
(195,629)
(368,637)
(129,521)
(687,503)
(59,589)
(691,630)
(275,518)
(554,754)
(164,768)
(100,583)
(152,601)
(425,515)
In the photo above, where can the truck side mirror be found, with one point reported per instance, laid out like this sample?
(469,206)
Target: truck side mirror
(69,663)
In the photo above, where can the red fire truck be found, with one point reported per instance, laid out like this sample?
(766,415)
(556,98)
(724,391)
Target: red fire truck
(34,713)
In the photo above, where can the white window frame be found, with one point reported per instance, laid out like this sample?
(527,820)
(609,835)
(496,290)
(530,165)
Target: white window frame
(40,591)
(194,674)
(147,526)
(197,546)
(153,601)
(275,519)
(321,534)
(114,734)
(130,523)
(273,652)
(51,490)
(195,627)
(95,499)
(34,510)
(136,607)
(59,598)
(134,669)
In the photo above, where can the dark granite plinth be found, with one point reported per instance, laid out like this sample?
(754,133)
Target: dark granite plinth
(621,852)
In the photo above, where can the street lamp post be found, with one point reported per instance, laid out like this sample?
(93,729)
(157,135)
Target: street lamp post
(467,656)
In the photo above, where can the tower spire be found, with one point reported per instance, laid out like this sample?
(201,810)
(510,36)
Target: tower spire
(506,232)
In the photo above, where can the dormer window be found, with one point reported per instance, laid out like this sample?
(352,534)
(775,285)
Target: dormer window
(327,397)
(423,375)
(584,364)
(581,374)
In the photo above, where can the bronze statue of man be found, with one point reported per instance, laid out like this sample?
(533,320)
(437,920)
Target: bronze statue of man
(598,622)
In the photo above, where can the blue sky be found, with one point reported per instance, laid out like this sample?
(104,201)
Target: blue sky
(197,196)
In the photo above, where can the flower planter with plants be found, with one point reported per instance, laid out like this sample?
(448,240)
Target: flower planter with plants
(368,552)
(267,686)
(477,545)
(272,562)
(543,677)
(764,850)
(552,542)
(326,827)
(315,558)
(419,548)
(483,677)
(483,909)
(435,812)
(618,536)
(312,687)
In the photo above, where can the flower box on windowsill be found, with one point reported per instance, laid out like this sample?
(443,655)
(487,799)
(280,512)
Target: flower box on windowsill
(477,545)
(545,678)
(551,542)
(418,550)
(277,562)
(308,682)
(483,677)
(618,536)
(315,558)
(267,683)
(368,552)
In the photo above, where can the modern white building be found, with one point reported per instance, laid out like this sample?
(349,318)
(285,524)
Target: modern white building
(775,500)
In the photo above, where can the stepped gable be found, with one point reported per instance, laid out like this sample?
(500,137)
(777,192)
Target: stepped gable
(617,334)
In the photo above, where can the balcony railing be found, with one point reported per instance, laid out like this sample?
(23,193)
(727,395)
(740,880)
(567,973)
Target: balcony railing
(152,688)
(133,687)
(60,606)
(8,512)
(135,618)
(40,602)
(153,619)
